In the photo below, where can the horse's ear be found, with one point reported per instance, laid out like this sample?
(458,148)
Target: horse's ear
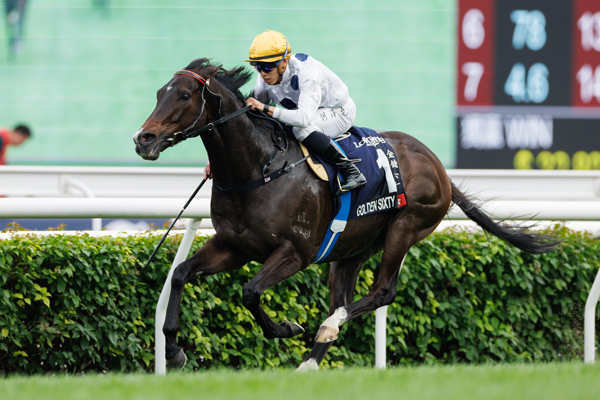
(212,70)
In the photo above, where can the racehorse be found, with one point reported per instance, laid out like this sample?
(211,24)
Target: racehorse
(281,224)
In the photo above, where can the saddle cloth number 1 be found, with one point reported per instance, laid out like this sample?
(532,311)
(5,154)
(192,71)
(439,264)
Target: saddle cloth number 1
(384,162)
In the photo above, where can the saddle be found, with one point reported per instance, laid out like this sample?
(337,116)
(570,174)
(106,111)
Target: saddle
(376,160)
(317,168)
(383,191)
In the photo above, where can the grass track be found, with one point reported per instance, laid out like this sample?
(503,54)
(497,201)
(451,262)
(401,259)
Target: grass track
(542,381)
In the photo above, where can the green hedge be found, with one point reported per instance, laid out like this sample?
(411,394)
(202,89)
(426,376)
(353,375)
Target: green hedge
(77,303)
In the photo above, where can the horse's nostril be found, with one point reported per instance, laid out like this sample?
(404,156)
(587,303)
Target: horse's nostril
(147,138)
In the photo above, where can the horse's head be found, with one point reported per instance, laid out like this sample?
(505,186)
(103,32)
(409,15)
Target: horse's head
(179,106)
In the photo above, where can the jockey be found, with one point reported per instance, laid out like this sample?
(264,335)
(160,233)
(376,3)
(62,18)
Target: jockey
(315,101)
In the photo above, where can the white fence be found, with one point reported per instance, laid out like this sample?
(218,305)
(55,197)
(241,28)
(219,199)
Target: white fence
(39,207)
(538,185)
(132,182)
(126,182)
(161,193)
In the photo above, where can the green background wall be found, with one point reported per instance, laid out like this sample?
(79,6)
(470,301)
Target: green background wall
(87,76)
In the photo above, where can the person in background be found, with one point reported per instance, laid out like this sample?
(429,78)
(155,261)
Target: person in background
(15,13)
(14,137)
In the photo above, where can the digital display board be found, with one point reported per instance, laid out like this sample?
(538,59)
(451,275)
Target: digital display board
(528,84)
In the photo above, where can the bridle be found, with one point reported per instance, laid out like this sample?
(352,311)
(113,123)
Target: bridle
(185,134)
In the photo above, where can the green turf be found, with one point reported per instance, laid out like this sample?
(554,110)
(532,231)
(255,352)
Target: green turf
(546,381)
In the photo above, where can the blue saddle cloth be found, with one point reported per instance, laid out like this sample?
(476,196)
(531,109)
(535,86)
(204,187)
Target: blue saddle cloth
(383,191)
(384,188)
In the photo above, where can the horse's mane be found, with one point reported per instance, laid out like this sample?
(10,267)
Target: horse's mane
(232,79)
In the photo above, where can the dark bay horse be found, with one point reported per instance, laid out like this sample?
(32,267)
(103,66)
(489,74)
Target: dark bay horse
(282,224)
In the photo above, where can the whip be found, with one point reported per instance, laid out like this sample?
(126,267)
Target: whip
(173,224)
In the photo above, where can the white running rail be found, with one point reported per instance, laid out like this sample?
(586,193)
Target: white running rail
(131,182)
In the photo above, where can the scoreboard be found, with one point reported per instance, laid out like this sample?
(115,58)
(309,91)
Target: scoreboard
(528,84)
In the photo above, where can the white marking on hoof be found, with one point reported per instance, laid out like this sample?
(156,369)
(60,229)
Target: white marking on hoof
(308,365)
(328,331)
(337,319)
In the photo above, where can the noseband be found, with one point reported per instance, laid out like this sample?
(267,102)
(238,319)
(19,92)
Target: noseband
(185,134)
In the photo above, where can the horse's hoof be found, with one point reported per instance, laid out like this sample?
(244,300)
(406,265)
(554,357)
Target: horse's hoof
(308,365)
(326,334)
(291,327)
(177,362)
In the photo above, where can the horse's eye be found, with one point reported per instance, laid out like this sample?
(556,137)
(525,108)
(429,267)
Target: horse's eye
(185,96)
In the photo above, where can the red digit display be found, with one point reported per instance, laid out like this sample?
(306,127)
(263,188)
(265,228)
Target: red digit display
(476,37)
(585,75)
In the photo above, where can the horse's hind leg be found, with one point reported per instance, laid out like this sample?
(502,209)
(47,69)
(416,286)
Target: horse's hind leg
(397,243)
(283,263)
(342,283)
(211,259)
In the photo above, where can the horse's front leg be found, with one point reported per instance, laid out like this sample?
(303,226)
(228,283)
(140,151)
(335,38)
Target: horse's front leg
(283,263)
(211,259)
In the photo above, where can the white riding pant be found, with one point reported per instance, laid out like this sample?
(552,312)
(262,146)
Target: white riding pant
(330,121)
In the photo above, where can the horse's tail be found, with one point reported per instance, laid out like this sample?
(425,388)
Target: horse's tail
(518,236)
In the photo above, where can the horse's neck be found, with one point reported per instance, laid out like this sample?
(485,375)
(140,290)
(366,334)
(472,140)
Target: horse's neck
(237,150)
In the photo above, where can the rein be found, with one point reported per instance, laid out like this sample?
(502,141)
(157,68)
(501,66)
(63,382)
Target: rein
(180,136)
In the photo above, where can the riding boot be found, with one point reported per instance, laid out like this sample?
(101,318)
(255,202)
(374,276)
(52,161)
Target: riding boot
(323,146)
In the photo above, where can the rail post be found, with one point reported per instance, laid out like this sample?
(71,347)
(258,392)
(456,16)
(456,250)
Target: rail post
(160,366)
(380,337)
(589,322)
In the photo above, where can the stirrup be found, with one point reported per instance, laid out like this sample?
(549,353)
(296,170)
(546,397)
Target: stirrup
(351,184)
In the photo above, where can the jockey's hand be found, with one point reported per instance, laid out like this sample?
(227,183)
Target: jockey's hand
(207,173)
(256,105)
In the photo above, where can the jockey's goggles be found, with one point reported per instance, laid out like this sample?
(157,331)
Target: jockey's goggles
(265,67)
(268,66)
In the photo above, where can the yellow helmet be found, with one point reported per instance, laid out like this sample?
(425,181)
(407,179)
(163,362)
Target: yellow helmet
(269,46)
